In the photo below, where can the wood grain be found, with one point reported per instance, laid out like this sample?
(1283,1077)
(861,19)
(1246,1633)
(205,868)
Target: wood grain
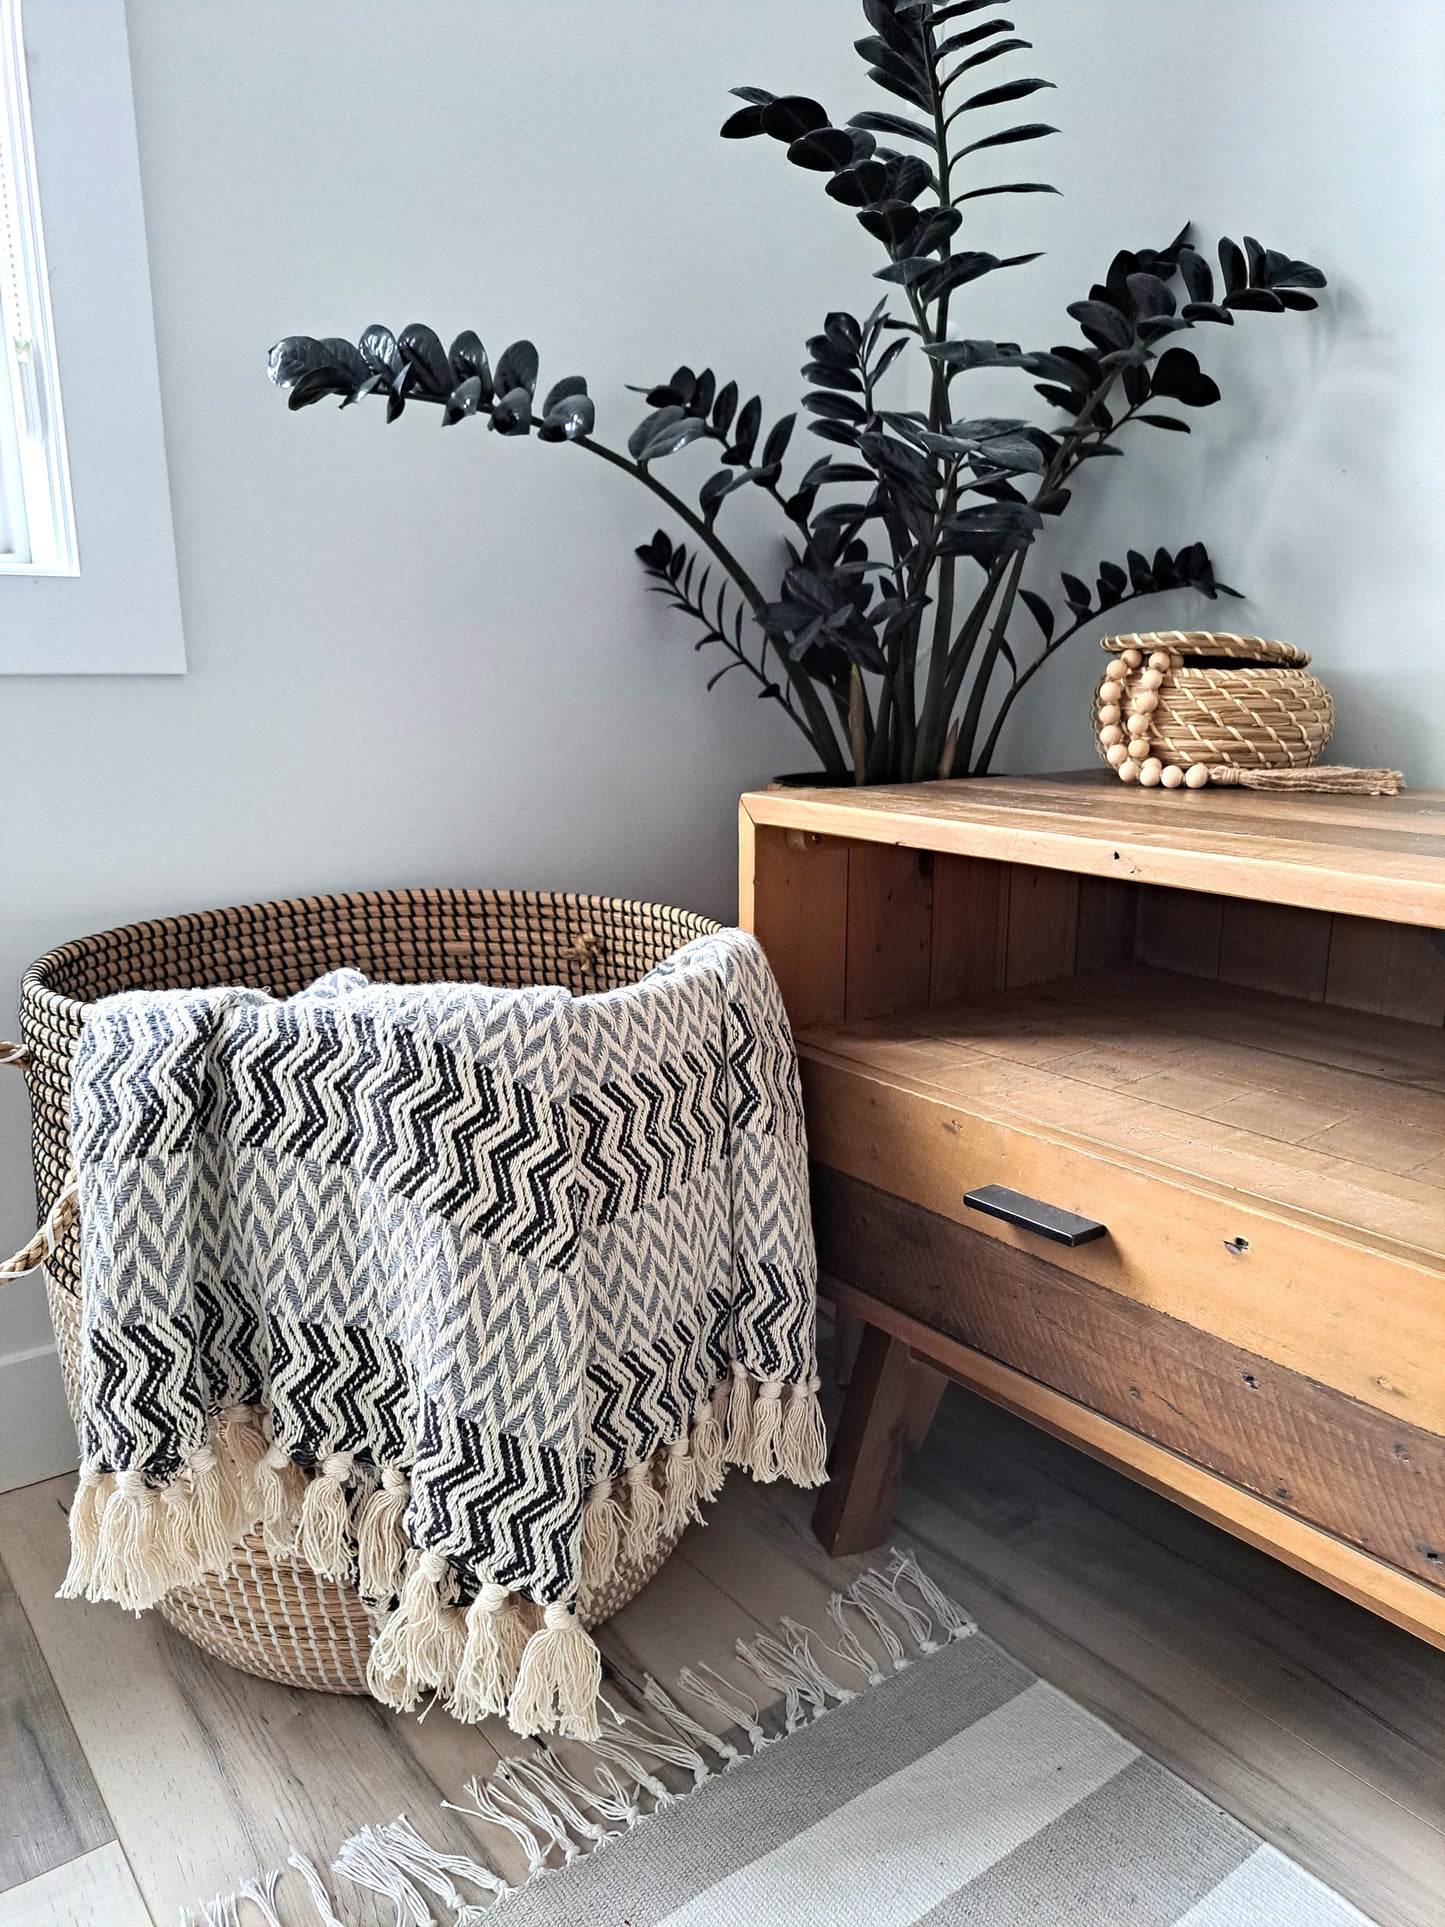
(96,1890)
(890,929)
(1275,946)
(1367,856)
(1108,914)
(1310,1450)
(1179,930)
(1355,1574)
(1386,967)
(793,897)
(1043,914)
(970,928)
(53,1811)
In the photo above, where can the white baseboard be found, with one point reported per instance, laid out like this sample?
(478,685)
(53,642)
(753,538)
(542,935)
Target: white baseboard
(37,1439)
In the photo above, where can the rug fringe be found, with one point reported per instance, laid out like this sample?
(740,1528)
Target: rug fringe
(557,1817)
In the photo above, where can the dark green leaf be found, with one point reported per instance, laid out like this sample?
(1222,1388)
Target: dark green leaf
(1178,376)
(834,432)
(421,347)
(671,436)
(824,375)
(1257,300)
(898,125)
(792,116)
(956,42)
(743,124)
(512,414)
(915,92)
(840,408)
(998,96)
(844,332)
(1103,324)
(745,434)
(468,357)
(723,408)
(857,186)
(517,368)
(1205,311)
(886,360)
(1042,614)
(826,150)
(758,96)
(1076,594)
(651,425)
(1149,296)
(378,347)
(1198,278)
(1009,187)
(1165,421)
(1231,264)
(568,417)
(462,401)
(779,435)
(891,222)
(1032,131)
(995,52)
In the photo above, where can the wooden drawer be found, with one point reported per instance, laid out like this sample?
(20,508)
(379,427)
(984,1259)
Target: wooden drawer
(1373,1480)
(1277,1280)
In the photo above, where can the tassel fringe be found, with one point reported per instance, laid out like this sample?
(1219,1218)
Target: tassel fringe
(558,1812)
(1331,778)
(132,1543)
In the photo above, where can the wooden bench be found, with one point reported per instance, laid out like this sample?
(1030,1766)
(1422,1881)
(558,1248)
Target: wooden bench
(1212,1023)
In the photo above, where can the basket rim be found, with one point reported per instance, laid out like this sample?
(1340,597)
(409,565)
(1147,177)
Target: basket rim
(35,985)
(1260,651)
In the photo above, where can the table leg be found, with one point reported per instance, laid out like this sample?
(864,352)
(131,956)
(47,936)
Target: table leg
(892,1397)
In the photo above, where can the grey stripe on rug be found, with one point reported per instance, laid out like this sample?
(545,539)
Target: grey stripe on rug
(954,1790)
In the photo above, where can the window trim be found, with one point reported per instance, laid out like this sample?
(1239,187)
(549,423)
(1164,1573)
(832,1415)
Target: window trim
(36,462)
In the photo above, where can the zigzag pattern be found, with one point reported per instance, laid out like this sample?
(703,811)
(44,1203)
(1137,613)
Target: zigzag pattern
(508,1239)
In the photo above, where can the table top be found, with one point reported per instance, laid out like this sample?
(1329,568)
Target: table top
(1368,856)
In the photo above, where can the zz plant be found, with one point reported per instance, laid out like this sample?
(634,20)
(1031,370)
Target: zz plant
(893,639)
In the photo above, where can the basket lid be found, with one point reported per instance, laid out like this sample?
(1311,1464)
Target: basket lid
(1205,642)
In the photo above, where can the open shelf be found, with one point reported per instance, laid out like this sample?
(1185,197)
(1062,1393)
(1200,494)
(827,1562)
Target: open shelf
(1332,1114)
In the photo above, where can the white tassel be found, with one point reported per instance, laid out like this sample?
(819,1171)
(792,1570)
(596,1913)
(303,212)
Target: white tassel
(277,1491)
(803,1450)
(850,1646)
(380,1539)
(765,1463)
(134,1565)
(262,1896)
(323,1537)
(748,1716)
(366,1860)
(559,1680)
(497,1806)
(545,1774)
(955,1622)
(602,1527)
(738,1436)
(707,1443)
(420,1647)
(86,1509)
(213,1524)
(320,1898)
(550,1825)
(429,1867)
(679,1489)
(643,1523)
(663,1702)
(496,1637)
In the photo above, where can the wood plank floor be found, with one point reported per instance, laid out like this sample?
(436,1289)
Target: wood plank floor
(140,1775)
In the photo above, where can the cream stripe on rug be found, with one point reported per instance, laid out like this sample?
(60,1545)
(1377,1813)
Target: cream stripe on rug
(914,1775)
(888,1857)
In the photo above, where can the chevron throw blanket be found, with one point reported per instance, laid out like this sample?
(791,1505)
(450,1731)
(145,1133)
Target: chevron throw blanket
(466,1296)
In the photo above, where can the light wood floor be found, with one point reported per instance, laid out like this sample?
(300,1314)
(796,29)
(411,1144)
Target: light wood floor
(137,1775)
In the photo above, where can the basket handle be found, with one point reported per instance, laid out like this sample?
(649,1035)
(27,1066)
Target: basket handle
(63,1213)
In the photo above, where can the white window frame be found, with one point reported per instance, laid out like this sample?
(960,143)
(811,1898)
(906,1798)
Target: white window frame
(37,513)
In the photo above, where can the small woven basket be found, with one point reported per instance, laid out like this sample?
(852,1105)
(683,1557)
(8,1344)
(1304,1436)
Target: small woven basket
(275,1617)
(1176,704)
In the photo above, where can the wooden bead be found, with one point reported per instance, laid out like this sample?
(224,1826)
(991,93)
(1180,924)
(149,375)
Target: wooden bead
(1151,678)
(1139,748)
(1172,776)
(1160,659)
(1150,772)
(1133,657)
(1144,702)
(1116,754)
(1116,672)
(1196,776)
(1138,725)
(1129,772)
(1111,735)
(1109,713)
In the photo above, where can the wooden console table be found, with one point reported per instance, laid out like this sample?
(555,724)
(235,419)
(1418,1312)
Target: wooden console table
(1212,1023)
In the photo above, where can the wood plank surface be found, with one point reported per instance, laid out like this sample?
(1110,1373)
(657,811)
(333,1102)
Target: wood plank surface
(1043,922)
(1275,946)
(1107,920)
(1331,1460)
(52,1810)
(1319,1554)
(1386,967)
(889,929)
(1366,856)
(96,1890)
(970,928)
(793,897)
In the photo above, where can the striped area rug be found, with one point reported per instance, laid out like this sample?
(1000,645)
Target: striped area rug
(914,1775)
(960,1792)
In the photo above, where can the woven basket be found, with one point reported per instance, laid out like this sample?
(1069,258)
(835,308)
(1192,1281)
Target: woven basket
(1218,701)
(277,1618)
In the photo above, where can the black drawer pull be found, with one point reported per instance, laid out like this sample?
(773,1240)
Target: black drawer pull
(1031,1214)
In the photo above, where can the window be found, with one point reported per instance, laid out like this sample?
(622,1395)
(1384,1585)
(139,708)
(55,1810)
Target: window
(37,520)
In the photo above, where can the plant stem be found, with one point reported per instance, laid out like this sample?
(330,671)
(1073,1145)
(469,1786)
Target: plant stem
(819,729)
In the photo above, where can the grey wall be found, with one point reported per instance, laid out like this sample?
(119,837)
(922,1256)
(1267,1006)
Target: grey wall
(419,656)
